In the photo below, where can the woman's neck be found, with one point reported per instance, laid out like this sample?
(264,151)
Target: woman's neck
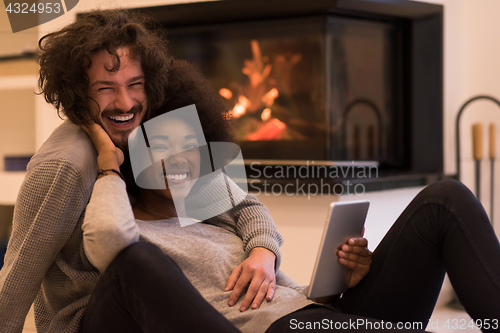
(152,206)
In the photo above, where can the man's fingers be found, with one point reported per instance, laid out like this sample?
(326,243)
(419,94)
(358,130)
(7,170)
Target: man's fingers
(270,290)
(253,275)
(239,287)
(235,274)
(255,295)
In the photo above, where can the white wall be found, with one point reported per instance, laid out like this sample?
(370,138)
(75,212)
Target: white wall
(18,42)
(471,68)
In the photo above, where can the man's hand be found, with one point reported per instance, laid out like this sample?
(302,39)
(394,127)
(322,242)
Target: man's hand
(258,271)
(357,257)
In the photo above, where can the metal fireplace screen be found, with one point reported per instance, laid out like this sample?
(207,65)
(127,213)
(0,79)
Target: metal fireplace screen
(317,88)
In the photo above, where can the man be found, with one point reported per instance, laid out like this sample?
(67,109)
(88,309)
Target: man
(112,68)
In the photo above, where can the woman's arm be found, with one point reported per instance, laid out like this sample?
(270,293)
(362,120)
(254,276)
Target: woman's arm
(251,221)
(109,225)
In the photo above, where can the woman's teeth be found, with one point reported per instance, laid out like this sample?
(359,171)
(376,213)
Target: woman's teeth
(122,119)
(177,177)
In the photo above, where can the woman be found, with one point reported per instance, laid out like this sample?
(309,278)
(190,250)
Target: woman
(142,289)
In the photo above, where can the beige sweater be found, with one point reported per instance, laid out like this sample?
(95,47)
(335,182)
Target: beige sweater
(45,260)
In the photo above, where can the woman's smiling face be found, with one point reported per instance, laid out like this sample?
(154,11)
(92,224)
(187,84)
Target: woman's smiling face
(175,144)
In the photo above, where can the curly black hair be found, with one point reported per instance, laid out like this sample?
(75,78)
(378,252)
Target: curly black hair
(65,56)
(186,85)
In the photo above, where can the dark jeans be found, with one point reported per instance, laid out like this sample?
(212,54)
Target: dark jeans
(444,229)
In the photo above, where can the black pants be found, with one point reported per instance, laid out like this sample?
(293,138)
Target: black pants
(444,229)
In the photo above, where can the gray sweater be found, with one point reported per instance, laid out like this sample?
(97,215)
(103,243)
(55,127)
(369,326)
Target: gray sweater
(206,253)
(45,260)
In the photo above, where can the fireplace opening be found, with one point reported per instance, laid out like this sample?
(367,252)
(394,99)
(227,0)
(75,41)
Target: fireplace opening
(293,86)
(323,81)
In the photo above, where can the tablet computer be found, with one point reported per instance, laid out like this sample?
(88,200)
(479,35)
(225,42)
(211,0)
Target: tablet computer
(345,220)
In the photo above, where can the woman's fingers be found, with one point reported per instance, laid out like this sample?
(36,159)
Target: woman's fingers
(356,256)
(355,251)
(365,259)
(109,154)
(362,242)
(120,155)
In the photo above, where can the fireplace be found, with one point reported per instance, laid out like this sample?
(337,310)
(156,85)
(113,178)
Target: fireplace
(323,82)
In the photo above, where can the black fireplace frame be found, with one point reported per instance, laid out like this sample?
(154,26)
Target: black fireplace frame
(420,32)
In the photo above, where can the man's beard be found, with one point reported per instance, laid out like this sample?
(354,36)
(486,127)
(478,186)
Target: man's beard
(123,141)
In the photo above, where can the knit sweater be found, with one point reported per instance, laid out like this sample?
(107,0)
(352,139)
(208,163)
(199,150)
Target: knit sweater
(206,253)
(45,260)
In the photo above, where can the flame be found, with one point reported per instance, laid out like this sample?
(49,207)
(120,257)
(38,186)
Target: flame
(255,69)
(253,96)
(241,107)
(238,110)
(266,114)
(243,101)
(273,130)
(226,93)
(270,96)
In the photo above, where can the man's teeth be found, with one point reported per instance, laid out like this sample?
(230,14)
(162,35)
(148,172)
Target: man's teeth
(177,177)
(122,119)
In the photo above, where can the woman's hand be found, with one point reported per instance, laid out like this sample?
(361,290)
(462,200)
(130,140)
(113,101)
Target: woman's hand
(356,256)
(109,156)
(257,273)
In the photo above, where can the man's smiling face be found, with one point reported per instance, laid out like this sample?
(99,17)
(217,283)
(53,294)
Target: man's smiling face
(120,95)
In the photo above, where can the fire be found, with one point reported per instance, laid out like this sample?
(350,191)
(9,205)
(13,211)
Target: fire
(272,130)
(241,107)
(226,93)
(270,96)
(255,69)
(257,95)
(266,114)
